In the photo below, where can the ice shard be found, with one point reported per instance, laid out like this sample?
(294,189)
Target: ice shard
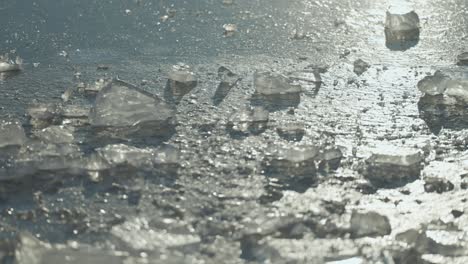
(124,111)
(181,81)
(402,30)
(275,91)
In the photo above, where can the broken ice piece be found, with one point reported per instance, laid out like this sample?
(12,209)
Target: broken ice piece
(369,224)
(462,59)
(103,67)
(139,235)
(7,65)
(43,115)
(39,159)
(294,167)
(291,131)
(307,76)
(228,81)
(55,134)
(391,166)
(251,121)
(275,90)
(330,159)
(96,87)
(443,111)
(229,29)
(438,185)
(436,239)
(11,134)
(67,94)
(308,80)
(181,81)
(75,115)
(298,34)
(444,241)
(26,249)
(434,84)
(444,102)
(439,83)
(360,67)
(123,110)
(458,89)
(147,158)
(402,30)
(113,160)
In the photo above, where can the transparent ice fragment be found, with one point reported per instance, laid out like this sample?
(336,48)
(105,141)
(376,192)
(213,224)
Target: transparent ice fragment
(402,30)
(11,133)
(273,89)
(391,166)
(125,110)
(251,121)
(434,84)
(181,81)
(369,224)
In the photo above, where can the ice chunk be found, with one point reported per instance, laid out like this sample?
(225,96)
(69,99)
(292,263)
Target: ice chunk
(293,167)
(446,242)
(96,87)
(103,67)
(43,162)
(458,89)
(308,79)
(433,184)
(11,134)
(181,81)
(251,121)
(120,154)
(56,134)
(298,160)
(444,102)
(291,131)
(442,111)
(141,236)
(124,110)
(43,115)
(434,84)
(390,166)
(29,250)
(229,29)
(307,76)
(276,90)
(8,65)
(462,59)
(75,115)
(402,30)
(228,81)
(360,67)
(47,157)
(126,162)
(369,224)
(436,239)
(330,159)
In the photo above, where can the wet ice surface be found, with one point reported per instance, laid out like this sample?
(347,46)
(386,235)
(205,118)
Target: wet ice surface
(216,137)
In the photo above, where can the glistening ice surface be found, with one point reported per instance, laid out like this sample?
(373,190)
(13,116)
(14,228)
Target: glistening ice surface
(233,131)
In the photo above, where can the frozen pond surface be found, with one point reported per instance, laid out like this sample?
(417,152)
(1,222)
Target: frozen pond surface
(265,131)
